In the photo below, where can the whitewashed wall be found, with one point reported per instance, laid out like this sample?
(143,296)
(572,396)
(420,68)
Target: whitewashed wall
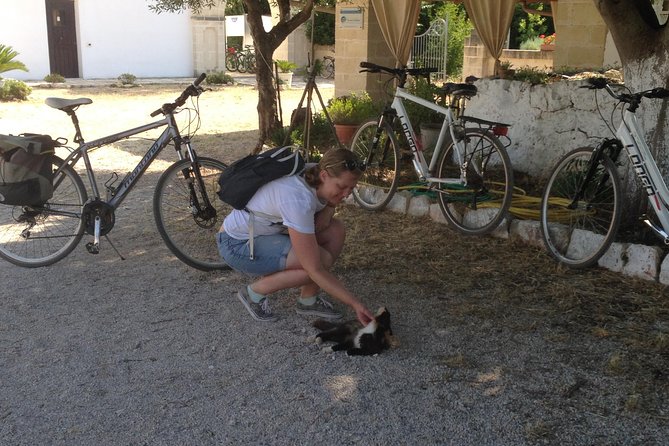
(23,27)
(547,121)
(117,37)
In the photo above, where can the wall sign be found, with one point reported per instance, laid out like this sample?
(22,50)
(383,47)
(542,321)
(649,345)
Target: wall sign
(350,18)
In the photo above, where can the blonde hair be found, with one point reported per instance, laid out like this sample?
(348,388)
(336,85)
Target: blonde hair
(334,160)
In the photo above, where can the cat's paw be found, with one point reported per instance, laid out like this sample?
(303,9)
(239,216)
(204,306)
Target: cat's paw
(327,349)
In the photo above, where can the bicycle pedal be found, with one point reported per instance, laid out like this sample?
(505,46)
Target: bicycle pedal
(92,248)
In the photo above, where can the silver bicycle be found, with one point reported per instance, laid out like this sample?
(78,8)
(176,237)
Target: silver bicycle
(582,202)
(186,209)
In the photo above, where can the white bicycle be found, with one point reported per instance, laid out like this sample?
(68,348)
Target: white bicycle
(469,171)
(582,202)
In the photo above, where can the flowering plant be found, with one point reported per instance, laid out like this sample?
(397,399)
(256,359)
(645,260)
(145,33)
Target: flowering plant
(548,40)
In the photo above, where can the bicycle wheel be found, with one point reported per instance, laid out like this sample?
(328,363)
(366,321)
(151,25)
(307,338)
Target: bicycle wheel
(187,225)
(477,201)
(378,183)
(251,63)
(231,62)
(577,233)
(242,63)
(328,68)
(33,236)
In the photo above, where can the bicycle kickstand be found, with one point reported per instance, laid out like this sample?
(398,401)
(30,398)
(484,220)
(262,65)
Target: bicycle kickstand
(94,246)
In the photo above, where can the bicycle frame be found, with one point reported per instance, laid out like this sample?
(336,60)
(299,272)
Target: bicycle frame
(629,133)
(447,128)
(171,132)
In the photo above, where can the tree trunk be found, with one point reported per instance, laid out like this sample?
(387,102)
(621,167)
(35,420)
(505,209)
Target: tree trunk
(266,42)
(643,46)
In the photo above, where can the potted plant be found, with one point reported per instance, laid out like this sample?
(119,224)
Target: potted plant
(285,72)
(348,112)
(505,70)
(548,43)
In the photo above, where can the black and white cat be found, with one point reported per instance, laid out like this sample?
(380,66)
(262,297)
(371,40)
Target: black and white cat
(356,339)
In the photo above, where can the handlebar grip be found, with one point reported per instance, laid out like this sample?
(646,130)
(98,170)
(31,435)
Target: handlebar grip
(659,93)
(199,80)
(367,65)
(156,113)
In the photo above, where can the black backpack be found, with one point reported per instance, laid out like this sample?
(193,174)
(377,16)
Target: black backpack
(26,175)
(240,181)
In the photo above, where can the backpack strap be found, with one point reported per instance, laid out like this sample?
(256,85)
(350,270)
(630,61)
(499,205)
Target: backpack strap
(275,220)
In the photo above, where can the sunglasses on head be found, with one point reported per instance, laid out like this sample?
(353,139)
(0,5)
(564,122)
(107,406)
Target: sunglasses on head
(351,165)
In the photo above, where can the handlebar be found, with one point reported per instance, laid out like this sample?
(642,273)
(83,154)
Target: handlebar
(633,99)
(400,73)
(448,88)
(193,89)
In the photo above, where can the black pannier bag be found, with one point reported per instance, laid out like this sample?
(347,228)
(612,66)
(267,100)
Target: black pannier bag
(26,175)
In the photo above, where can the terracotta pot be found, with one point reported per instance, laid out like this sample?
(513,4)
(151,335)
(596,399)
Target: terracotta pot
(345,133)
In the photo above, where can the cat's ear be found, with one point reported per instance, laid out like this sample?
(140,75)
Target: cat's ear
(383,318)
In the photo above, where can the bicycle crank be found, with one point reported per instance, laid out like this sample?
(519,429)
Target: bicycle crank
(98,219)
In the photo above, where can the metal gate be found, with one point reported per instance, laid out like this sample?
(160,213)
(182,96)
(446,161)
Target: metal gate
(429,49)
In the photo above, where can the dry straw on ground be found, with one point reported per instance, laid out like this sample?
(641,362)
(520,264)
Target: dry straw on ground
(485,279)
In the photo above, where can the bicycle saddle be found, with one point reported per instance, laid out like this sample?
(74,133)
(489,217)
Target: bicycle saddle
(459,89)
(66,104)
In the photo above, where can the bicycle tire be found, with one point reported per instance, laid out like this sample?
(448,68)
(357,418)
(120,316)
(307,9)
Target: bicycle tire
(328,68)
(479,202)
(578,237)
(251,63)
(188,234)
(242,64)
(231,62)
(378,183)
(42,235)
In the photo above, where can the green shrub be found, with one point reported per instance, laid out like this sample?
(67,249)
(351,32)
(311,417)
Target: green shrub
(54,78)
(13,90)
(285,66)
(127,79)
(219,78)
(352,109)
(533,75)
(324,31)
(533,43)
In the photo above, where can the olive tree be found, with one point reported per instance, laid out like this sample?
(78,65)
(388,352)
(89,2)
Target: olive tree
(643,44)
(291,15)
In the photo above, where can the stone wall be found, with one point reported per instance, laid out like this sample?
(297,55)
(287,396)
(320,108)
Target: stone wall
(547,121)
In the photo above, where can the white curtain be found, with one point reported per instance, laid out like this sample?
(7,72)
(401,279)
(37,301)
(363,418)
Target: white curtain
(492,19)
(398,19)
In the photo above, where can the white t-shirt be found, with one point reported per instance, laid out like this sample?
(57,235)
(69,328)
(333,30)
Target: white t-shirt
(289,199)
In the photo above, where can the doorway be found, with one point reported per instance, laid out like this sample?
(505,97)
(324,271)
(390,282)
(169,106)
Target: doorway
(62,35)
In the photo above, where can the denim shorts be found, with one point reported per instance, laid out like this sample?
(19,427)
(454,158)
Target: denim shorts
(269,253)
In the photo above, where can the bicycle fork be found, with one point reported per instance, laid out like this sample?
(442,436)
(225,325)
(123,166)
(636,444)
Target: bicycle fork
(203,211)
(614,147)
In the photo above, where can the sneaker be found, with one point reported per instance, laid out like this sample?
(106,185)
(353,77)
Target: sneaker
(322,308)
(259,311)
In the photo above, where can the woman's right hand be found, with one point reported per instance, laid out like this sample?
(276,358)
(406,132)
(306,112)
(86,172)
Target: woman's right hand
(363,314)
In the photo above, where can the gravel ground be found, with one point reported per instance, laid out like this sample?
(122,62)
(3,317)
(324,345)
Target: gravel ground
(146,351)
